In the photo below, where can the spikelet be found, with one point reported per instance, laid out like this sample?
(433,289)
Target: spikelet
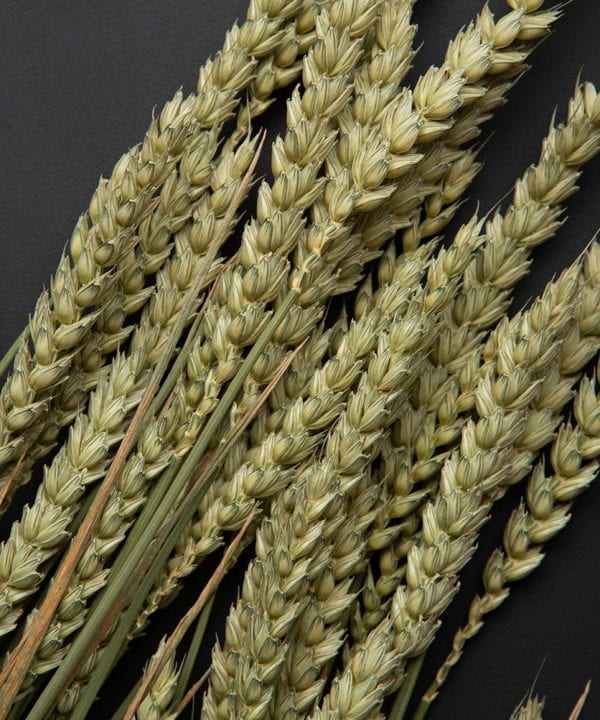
(157,703)
(531,710)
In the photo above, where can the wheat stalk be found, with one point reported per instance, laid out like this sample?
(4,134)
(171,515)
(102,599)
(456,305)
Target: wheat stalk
(393,30)
(349,51)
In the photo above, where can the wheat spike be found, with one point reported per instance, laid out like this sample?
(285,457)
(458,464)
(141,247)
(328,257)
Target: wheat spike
(433,420)
(132,216)
(542,515)
(452,519)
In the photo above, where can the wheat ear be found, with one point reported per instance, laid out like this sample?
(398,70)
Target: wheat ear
(433,420)
(446,169)
(63,316)
(393,32)
(61,489)
(311,260)
(403,338)
(357,692)
(270,465)
(451,520)
(261,54)
(543,515)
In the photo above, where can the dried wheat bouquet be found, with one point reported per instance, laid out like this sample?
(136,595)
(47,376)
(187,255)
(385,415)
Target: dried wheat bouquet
(285,376)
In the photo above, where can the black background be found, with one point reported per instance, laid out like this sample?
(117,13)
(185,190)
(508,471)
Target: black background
(78,82)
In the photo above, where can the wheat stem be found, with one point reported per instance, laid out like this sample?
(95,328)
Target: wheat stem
(406,690)
(193,650)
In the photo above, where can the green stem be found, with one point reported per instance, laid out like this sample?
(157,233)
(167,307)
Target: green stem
(405,693)
(134,554)
(22,704)
(422,709)
(177,368)
(113,650)
(118,642)
(192,653)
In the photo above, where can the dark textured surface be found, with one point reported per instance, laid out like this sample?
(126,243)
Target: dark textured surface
(78,82)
